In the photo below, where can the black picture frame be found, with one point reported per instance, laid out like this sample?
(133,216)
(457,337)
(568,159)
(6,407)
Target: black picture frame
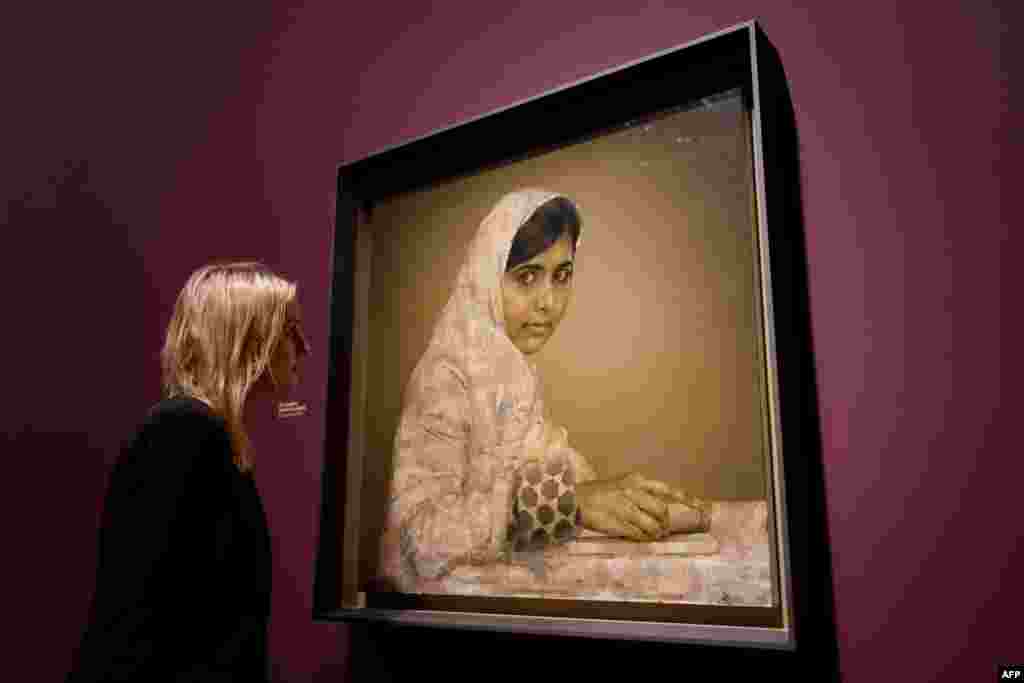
(738,58)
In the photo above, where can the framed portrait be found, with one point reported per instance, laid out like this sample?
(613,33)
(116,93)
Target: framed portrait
(561,399)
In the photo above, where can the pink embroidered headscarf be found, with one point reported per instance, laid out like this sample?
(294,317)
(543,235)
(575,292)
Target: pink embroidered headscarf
(473,414)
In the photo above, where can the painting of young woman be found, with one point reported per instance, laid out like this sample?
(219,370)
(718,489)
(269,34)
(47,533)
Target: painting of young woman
(566,393)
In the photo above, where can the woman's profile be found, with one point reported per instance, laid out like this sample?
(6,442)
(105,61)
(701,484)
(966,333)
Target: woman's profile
(479,467)
(183,579)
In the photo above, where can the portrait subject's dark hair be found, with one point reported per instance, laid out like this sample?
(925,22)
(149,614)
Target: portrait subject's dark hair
(545,227)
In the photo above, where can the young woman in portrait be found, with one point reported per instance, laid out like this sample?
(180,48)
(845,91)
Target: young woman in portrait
(479,467)
(183,579)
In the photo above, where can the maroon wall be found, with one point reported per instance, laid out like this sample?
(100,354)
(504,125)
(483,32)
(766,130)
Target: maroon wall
(138,143)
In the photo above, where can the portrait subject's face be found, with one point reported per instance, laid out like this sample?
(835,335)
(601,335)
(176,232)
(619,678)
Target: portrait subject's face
(535,295)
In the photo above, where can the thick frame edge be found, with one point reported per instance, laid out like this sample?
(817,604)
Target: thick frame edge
(798,407)
(329,560)
(783,638)
(777,502)
(650,631)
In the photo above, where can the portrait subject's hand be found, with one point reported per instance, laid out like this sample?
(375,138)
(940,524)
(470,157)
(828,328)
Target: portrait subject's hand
(630,506)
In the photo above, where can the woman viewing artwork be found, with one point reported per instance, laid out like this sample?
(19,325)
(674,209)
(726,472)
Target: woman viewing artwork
(479,468)
(184,561)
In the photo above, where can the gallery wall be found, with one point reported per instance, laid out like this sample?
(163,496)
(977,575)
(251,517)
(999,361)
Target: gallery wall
(140,142)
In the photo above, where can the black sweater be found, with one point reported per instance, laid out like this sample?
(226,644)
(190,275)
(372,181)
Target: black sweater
(183,579)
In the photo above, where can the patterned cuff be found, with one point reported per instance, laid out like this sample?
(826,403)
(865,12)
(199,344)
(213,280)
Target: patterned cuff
(545,509)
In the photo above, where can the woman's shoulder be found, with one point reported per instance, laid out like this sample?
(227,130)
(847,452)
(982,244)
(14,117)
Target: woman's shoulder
(183,410)
(180,443)
(180,421)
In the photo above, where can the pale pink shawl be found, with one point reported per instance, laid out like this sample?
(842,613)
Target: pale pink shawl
(473,414)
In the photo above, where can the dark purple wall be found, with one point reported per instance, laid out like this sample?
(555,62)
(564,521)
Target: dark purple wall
(139,143)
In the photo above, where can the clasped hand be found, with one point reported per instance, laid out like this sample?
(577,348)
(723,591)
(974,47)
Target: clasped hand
(631,506)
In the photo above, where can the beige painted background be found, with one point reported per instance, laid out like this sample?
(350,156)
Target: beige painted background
(656,366)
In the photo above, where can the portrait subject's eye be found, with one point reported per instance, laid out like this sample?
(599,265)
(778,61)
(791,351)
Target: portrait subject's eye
(527,277)
(564,275)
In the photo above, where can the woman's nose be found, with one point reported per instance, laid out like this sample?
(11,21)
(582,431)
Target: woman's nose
(546,298)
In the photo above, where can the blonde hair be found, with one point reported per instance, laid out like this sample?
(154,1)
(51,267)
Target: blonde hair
(227,321)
